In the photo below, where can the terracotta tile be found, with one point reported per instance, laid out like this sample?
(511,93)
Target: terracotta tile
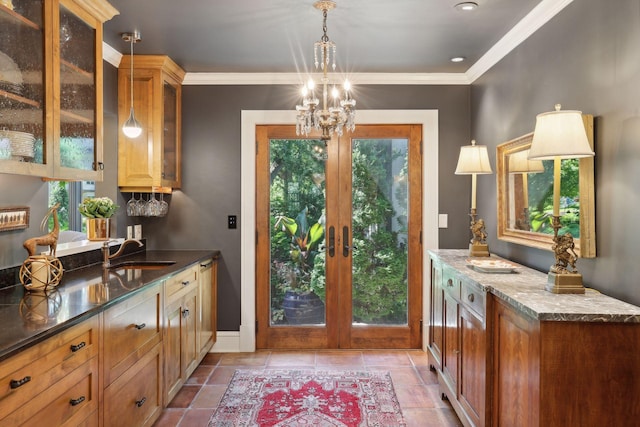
(419,357)
(405,376)
(386,358)
(431,417)
(221,375)
(196,417)
(436,395)
(290,359)
(211,359)
(200,375)
(184,397)
(244,359)
(414,396)
(169,418)
(209,396)
(339,359)
(428,376)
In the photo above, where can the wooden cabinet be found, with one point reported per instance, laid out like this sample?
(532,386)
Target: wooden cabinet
(54,382)
(132,358)
(208,301)
(51,88)
(460,307)
(150,162)
(181,330)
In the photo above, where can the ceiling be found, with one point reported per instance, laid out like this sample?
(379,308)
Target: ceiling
(277,36)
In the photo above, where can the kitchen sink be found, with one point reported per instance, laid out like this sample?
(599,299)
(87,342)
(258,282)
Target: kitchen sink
(142,265)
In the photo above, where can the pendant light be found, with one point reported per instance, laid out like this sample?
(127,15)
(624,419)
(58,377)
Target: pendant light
(131,127)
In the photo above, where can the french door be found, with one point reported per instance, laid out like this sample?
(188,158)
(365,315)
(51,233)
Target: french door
(338,257)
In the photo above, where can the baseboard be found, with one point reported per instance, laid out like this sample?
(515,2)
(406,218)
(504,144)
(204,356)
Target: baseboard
(226,342)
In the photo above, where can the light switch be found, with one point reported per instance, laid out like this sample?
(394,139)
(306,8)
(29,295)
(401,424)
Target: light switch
(232,221)
(443,220)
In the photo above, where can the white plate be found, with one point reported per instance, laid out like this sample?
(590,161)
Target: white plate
(492,265)
(9,71)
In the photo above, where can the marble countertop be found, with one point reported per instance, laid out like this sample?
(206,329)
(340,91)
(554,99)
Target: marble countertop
(524,289)
(29,318)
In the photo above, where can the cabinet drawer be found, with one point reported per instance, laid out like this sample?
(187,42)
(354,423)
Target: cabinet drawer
(28,373)
(130,329)
(450,282)
(136,396)
(473,298)
(182,281)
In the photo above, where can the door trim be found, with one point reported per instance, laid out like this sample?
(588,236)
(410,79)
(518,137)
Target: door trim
(251,118)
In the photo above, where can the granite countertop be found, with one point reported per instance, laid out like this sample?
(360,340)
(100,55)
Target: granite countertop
(524,289)
(28,318)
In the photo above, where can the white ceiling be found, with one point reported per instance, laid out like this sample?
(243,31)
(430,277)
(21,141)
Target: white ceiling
(276,36)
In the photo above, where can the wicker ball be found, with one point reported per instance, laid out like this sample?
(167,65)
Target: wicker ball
(41,272)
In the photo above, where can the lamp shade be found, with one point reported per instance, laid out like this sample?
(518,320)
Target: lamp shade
(560,134)
(474,159)
(519,163)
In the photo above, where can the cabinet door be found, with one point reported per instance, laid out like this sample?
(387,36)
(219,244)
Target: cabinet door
(436,325)
(451,354)
(24,92)
(170,137)
(191,351)
(516,377)
(473,365)
(206,306)
(173,350)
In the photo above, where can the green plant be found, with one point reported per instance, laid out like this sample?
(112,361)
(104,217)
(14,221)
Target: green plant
(97,207)
(295,273)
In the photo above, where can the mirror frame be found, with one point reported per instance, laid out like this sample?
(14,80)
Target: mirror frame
(586,244)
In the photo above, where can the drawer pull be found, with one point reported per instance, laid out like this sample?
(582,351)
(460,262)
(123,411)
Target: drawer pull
(140,402)
(185,282)
(76,347)
(75,402)
(19,383)
(471,297)
(449,282)
(141,326)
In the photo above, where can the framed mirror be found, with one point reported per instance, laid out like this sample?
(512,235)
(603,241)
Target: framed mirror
(525,196)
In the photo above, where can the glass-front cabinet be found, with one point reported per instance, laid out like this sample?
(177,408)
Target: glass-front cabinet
(51,87)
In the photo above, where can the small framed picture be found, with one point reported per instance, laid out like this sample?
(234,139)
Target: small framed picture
(14,218)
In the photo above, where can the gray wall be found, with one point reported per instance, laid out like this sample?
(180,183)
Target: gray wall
(211,169)
(586,58)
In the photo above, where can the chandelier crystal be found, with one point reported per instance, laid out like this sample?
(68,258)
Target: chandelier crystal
(336,114)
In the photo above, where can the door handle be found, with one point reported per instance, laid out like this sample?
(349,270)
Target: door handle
(345,239)
(332,241)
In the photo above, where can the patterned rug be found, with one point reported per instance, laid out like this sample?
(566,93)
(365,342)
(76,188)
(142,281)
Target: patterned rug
(288,398)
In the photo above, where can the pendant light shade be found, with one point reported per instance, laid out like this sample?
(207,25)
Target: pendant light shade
(131,127)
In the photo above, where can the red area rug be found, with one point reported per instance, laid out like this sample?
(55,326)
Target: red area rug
(288,398)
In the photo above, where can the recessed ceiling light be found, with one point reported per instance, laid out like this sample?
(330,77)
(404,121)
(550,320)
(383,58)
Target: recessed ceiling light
(458,59)
(467,6)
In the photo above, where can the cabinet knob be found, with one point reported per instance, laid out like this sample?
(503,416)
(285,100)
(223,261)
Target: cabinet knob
(185,313)
(449,282)
(19,383)
(75,402)
(471,297)
(76,347)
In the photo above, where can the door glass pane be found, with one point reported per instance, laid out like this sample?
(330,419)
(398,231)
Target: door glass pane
(169,160)
(22,92)
(297,212)
(77,92)
(379,231)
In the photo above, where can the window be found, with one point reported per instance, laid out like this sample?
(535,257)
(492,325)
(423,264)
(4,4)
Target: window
(69,195)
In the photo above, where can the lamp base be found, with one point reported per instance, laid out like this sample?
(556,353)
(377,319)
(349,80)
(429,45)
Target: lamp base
(479,250)
(570,283)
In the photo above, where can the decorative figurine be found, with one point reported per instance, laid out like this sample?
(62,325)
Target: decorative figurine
(50,239)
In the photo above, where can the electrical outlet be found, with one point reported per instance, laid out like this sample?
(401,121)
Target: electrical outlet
(232,221)
(129,231)
(137,231)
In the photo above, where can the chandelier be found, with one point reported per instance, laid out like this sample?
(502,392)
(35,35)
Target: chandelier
(336,114)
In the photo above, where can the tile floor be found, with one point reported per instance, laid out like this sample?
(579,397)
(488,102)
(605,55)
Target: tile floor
(415,385)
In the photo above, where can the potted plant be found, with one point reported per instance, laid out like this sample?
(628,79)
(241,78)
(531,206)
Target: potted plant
(301,304)
(98,211)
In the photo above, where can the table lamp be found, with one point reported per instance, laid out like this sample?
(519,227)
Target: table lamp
(558,135)
(474,160)
(519,163)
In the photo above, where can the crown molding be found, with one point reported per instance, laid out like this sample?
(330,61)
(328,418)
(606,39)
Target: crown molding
(540,15)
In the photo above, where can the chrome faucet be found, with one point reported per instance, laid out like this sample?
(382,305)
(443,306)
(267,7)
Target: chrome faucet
(106,256)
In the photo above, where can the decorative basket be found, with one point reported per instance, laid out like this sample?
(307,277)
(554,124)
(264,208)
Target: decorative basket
(41,272)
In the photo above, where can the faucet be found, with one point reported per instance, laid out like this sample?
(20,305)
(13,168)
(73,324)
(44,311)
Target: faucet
(106,256)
